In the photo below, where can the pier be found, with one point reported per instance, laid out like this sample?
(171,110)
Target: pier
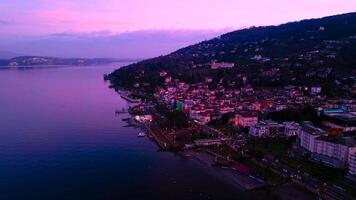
(122,111)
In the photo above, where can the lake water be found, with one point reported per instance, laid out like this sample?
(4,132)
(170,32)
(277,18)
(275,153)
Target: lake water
(60,139)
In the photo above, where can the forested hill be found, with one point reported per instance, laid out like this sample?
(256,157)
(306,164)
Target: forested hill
(315,51)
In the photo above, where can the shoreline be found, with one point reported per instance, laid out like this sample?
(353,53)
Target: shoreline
(242,182)
(202,158)
(238,180)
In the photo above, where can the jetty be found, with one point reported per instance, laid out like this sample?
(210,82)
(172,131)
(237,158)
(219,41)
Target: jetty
(131,100)
(122,111)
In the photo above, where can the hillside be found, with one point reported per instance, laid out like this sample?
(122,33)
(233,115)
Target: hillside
(316,51)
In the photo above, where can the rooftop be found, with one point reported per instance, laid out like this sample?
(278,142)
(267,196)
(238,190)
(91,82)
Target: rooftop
(349,141)
(345,119)
(309,127)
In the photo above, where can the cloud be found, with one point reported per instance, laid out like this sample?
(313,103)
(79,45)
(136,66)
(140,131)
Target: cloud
(53,16)
(3,22)
(103,33)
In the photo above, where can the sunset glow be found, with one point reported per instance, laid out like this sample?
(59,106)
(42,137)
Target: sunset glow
(39,17)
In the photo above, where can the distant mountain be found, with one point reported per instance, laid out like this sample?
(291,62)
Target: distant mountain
(316,51)
(135,44)
(52,61)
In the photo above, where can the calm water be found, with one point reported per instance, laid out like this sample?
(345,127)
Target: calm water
(60,139)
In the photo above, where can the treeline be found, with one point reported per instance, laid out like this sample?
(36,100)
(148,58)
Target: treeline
(304,113)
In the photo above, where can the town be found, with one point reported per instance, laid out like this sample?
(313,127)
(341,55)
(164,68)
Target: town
(273,108)
(314,136)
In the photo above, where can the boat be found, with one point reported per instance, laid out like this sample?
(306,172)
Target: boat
(141,134)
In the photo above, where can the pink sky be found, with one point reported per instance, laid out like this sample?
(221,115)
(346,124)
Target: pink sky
(139,28)
(41,17)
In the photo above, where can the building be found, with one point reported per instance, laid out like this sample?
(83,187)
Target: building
(144,118)
(280,106)
(352,164)
(266,128)
(259,130)
(339,120)
(331,151)
(315,90)
(208,79)
(168,79)
(269,128)
(162,73)
(203,117)
(307,135)
(221,65)
(178,105)
(245,119)
(291,128)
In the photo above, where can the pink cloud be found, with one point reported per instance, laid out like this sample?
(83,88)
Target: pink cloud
(51,16)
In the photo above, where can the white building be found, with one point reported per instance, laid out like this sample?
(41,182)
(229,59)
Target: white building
(332,151)
(221,65)
(352,163)
(291,128)
(270,128)
(267,128)
(203,117)
(281,106)
(162,73)
(315,90)
(308,134)
(259,130)
(200,115)
(208,79)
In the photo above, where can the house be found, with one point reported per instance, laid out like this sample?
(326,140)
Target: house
(221,65)
(280,106)
(315,90)
(162,73)
(246,119)
(256,106)
(203,117)
(144,118)
(168,79)
(257,57)
(208,79)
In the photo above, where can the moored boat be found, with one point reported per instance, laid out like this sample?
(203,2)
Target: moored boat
(141,134)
